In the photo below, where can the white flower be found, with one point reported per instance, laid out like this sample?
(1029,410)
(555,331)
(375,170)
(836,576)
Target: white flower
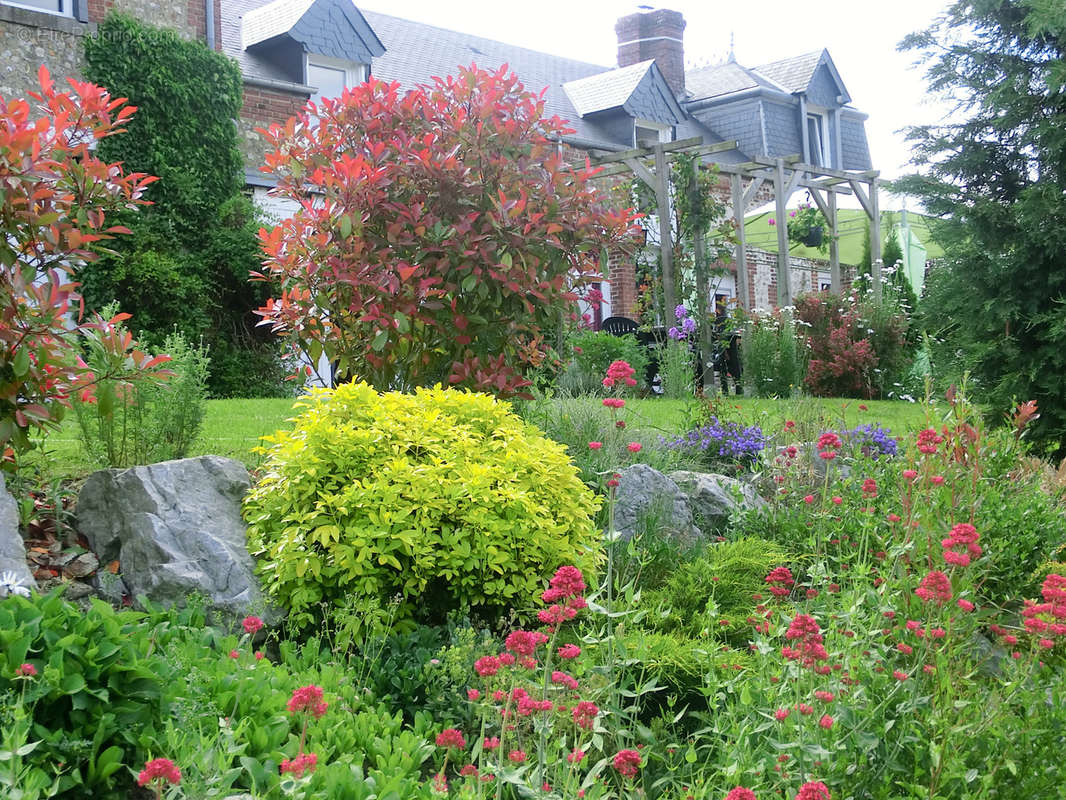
(10,584)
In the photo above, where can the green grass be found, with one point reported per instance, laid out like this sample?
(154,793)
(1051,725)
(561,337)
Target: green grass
(233,428)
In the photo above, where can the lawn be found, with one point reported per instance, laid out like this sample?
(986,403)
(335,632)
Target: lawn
(232,428)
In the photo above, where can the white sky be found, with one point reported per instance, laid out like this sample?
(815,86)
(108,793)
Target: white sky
(861,36)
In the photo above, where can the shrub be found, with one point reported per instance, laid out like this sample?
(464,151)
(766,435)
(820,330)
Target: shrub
(773,359)
(443,497)
(56,196)
(433,277)
(144,422)
(97,695)
(595,351)
(857,346)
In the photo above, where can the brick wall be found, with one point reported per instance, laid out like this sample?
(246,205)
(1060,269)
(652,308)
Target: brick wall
(263,107)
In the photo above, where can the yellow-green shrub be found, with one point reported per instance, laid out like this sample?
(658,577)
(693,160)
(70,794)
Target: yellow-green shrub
(444,498)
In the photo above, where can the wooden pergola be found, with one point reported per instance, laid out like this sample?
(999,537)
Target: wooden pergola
(784,175)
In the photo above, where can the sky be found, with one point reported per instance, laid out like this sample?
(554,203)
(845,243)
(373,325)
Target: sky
(861,36)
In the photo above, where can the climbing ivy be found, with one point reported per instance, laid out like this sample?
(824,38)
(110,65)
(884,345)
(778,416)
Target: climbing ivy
(188,260)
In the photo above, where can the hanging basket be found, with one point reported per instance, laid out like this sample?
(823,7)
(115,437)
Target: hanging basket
(813,237)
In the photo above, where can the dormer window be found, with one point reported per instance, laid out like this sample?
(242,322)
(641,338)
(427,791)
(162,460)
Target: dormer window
(331,76)
(818,140)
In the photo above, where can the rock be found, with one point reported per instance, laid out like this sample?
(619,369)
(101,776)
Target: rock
(13,567)
(647,497)
(714,498)
(176,529)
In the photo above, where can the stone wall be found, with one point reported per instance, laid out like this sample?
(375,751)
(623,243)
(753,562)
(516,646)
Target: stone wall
(30,38)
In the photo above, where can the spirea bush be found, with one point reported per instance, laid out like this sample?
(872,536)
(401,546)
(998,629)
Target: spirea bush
(442,498)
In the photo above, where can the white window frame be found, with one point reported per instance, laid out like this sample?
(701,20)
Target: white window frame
(66,7)
(666,132)
(820,117)
(354,72)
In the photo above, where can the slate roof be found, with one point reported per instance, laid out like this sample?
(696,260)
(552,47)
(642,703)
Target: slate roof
(605,90)
(722,79)
(271,20)
(795,73)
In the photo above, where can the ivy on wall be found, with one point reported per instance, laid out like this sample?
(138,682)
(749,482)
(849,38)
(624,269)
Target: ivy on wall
(188,260)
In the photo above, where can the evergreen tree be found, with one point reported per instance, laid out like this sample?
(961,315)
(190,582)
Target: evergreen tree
(997,179)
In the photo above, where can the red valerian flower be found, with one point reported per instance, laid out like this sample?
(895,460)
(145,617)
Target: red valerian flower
(961,545)
(965,605)
(928,440)
(299,765)
(567,582)
(935,588)
(308,698)
(584,714)
(804,631)
(826,721)
(627,762)
(517,756)
(576,756)
(487,666)
(569,651)
(26,671)
(162,769)
(633,447)
(595,445)
(614,402)
(252,625)
(563,679)
(524,643)
(780,580)
(740,793)
(782,714)
(869,487)
(813,791)
(451,737)
(490,743)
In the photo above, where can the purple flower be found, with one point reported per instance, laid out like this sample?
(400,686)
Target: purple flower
(675,334)
(689,325)
(728,441)
(680,312)
(872,440)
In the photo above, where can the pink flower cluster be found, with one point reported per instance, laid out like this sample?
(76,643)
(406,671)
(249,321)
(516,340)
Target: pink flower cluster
(961,545)
(584,714)
(161,769)
(828,445)
(806,634)
(1048,619)
(928,440)
(781,581)
(935,588)
(303,763)
(620,371)
(451,737)
(564,592)
(627,762)
(813,791)
(252,625)
(309,699)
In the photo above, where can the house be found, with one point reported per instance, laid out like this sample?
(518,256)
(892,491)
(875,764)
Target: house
(290,51)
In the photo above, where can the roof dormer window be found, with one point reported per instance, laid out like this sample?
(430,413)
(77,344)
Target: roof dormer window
(818,140)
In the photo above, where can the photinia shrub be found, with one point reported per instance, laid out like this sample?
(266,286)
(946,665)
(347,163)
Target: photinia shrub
(55,195)
(439,236)
(443,499)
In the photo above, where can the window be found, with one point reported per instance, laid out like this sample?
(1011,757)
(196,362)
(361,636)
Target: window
(331,76)
(818,140)
(647,133)
(62,8)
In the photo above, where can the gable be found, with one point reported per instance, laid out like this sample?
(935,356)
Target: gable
(652,100)
(332,28)
(823,88)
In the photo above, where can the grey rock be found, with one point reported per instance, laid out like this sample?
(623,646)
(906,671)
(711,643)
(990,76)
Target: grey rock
(12,548)
(175,529)
(645,496)
(715,498)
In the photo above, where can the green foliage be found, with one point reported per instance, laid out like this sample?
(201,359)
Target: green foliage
(595,351)
(98,694)
(995,176)
(677,369)
(773,358)
(717,586)
(444,498)
(188,260)
(145,422)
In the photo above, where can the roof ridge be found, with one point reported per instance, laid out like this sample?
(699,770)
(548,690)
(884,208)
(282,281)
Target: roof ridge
(366,11)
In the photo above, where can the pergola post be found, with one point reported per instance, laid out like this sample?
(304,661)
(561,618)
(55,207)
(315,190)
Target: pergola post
(875,240)
(834,244)
(742,241)
(784,277)
(666,242)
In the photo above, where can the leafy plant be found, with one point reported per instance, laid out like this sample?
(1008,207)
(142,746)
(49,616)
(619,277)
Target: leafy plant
(463,242)
(443,497)
(54,214)
(140,421)
(773,357)
(595,351)
(97,696)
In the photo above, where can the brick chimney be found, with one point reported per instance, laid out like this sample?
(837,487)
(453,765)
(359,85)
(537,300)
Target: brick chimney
(657,34)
